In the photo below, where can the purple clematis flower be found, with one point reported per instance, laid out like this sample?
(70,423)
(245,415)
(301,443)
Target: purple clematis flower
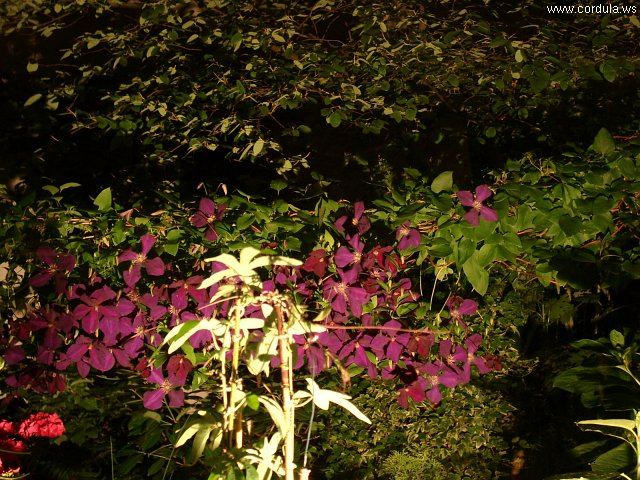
(153,266)
(459,307)
(358,224)
(58,266)
(94,307)
(86,353)
(153,399)
(438,374)
(343,293)
(390,341)
(408,237)
(472,344)
(309,349)
(207,215)
(421,343)
(478,209)
(344,256)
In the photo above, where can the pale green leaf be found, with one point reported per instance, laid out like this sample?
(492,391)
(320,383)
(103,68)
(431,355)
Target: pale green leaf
(629,425)
(276,412)
(442,182)
(33,99)
(103,200)
(604,143)
(322,398)
(476,274)
(258,146)
(249,323)
(92,42)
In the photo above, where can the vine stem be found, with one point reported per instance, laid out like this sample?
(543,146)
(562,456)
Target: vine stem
(287,394)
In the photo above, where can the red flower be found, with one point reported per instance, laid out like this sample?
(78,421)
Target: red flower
(316,262)
(8,428)
(41,424)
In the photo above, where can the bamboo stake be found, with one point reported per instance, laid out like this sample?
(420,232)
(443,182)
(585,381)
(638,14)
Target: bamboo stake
(287,394)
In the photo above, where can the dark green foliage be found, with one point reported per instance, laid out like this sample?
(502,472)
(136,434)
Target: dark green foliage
(171,94)
(464,438)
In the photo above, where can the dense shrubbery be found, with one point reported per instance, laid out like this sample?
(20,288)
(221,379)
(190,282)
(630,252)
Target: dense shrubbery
(90,296)
(412,275)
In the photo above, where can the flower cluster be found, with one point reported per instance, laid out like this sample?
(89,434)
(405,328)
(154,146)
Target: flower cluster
(369,324)
(13,435)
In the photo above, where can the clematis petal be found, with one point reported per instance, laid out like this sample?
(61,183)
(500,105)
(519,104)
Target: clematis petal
(207,206)
(211,234)
(47,255)
(154,266)
(472,217)
(473,342)
(465,197)
(101,358)
(67,262)
(482,193)
(40,279)
(358,210)
(489,214)
(434,395)
(344,257)
(468,307)
(147,242)
(153,400)
(127,256)
(176,398)
(132,276)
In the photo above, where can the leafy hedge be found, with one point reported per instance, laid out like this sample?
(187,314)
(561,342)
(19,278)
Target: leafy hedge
(563,251)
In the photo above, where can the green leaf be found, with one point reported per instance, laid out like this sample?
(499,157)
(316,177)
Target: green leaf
(276,413)
(179,334)
(245,221)
(51,189)
(498,42)
(278,184)
(617,459)
(442,182)
(251,473)
(103,200)
(570,225)
(33,99)
(477,276)
(69,185)
(603,143)
(608,72)
(253,402)
(258,147)
(335,119)
(92,42)
(621,423)
(616,338)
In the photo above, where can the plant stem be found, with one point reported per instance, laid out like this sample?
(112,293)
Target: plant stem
(287,394)
(233,423)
